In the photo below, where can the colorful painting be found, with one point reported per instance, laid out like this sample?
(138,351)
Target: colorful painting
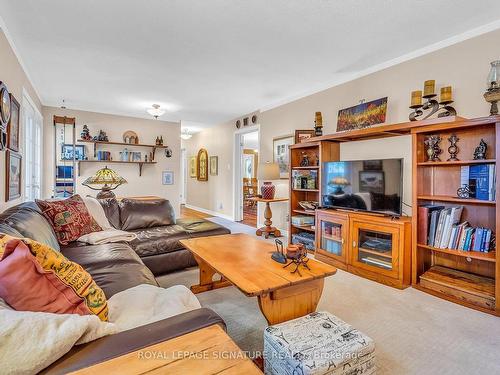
(362,115)
(13,125)
(281,154)
(202,162)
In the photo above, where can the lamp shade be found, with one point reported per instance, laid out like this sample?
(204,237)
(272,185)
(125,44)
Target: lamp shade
(269,171)
(104,177)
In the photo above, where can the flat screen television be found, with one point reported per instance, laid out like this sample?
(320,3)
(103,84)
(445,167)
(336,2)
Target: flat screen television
(364,185)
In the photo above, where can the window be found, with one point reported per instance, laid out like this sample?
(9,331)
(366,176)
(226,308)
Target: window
(32,131)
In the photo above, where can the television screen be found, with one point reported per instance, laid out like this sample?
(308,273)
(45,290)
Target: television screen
(366,185)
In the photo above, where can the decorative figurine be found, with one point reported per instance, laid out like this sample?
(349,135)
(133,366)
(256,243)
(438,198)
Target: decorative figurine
(101,137)
(464,192)
(480,151)
(318,125)
(157,141)
(432,147)
(297,254)
(492,94)
(168,152)
(161,141)
(146,158)
(85,134)
(279,255)
(453,149)
(305,160)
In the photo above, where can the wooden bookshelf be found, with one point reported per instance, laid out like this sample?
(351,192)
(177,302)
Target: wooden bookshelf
(468,278)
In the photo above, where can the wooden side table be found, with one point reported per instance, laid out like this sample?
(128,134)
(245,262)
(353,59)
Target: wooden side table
(268,214)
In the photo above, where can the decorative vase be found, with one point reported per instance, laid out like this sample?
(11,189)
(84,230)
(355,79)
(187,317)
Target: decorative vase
(267,190)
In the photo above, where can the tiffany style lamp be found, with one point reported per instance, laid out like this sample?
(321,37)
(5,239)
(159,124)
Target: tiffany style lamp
(105,180)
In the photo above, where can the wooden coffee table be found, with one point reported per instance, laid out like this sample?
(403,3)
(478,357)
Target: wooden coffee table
(245,262)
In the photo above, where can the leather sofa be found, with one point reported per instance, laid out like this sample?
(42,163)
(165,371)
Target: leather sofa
(119,266)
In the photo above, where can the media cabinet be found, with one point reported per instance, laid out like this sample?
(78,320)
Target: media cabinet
(468,278)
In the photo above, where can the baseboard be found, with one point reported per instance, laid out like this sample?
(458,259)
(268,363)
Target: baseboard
(209,212)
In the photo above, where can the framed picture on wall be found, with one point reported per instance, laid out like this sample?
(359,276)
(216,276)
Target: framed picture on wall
(281,154)
(13,165)
(13,125)
(68,150)
(202,162)
(192,167)
(167,178)
(214,165)
(302,136)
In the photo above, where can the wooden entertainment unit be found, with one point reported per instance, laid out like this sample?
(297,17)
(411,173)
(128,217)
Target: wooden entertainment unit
(390,250)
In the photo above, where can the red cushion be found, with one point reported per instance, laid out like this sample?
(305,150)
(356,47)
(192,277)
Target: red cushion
(69,218)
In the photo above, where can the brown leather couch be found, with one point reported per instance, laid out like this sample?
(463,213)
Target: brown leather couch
(119,266)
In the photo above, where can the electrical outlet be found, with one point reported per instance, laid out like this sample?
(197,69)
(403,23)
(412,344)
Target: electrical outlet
(287,218)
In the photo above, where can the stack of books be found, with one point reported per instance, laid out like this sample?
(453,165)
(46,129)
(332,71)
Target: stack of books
(103,155)
(481,181)
(442,229)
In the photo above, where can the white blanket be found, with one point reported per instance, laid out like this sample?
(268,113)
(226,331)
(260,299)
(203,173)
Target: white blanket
(97,212)
(107,236)
(31,341)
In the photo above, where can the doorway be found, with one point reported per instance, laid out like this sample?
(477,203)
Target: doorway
(246,185)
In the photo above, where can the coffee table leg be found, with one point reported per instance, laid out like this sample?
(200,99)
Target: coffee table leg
(206,278)
(291,302)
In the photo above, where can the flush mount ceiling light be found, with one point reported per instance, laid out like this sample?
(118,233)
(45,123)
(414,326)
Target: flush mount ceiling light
(185,134)
(156,111)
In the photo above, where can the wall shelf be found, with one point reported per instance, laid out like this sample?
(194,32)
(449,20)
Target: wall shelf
(454,163)
(139,163)
(95,143)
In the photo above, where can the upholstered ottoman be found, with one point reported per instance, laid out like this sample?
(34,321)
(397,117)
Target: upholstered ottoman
(318,343)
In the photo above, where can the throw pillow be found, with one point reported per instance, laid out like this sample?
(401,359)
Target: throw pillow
(69,218)
(35,277)
(97,212)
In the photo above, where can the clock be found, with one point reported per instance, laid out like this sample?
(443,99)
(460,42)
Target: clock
(4,105)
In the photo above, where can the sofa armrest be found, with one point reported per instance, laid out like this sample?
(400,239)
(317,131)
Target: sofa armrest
(129,341)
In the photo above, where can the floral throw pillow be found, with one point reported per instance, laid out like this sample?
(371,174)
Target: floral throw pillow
(69,218)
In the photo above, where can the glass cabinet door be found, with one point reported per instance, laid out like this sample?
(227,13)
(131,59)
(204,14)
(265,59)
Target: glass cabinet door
(375,247)
(332,237)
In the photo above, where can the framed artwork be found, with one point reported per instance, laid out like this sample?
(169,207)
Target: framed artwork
(362,115)
(68,150)
(372,182)
(4,105)
(202,161)
(13,165)
(302,136)
(372,165)
(214,165)
(192,167)
(13,125)
(167,178)
(281,154)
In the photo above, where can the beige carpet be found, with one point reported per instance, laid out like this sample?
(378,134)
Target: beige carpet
(415,333)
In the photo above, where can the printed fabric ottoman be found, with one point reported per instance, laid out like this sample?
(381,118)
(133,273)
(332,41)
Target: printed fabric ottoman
(318,343)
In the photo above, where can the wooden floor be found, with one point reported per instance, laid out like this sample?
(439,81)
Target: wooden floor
(189,213)
(249,216)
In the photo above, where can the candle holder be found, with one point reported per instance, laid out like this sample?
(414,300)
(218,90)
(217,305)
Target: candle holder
(432,106)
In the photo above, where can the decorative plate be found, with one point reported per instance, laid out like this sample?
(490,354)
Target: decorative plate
(238,124)
(131,137)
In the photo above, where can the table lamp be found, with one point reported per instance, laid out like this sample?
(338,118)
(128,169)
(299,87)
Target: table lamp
(105,180)
(267,172)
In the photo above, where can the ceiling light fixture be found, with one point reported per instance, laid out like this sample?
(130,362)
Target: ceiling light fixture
(156,111)
(185,134)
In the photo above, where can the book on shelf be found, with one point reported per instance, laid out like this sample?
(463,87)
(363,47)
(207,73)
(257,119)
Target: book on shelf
(481,180)
(445,231)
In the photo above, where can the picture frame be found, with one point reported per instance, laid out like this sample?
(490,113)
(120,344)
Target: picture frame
(302,136)
(372,182)
(202,165)
(13,175)
(281,154)
(193,166)
(67,152)
(13,125)
(167,178)
(214,165)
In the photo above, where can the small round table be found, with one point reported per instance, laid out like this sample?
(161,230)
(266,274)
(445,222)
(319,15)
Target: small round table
(268,214)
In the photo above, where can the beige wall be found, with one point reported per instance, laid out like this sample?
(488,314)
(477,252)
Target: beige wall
(216,194)
(147,130)
(13,75)
(464,66)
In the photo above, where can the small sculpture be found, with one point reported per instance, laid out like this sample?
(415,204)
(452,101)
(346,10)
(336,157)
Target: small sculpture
(453,149)
(101,137)
(168,152)
(432,147)
(318,124)
(297,254)
(464,192)
(480,151)
(161,140)
(305,160)
(85,134)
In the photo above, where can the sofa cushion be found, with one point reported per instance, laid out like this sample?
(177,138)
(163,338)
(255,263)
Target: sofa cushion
(69,218)
(27,219)
(111,208)
(202,227)
(40,279)
(145,213)
(158,240)
(6,229)
(114,267)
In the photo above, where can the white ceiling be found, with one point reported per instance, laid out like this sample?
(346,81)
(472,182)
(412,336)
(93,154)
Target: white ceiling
(209,61)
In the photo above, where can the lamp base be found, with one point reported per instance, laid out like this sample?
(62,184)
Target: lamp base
(105,194)
(267,190)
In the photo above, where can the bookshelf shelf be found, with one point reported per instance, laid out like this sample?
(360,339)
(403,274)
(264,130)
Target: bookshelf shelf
(455,163)
(307,190)
(488,257)
(445,198)
(312,213)
(307,228)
